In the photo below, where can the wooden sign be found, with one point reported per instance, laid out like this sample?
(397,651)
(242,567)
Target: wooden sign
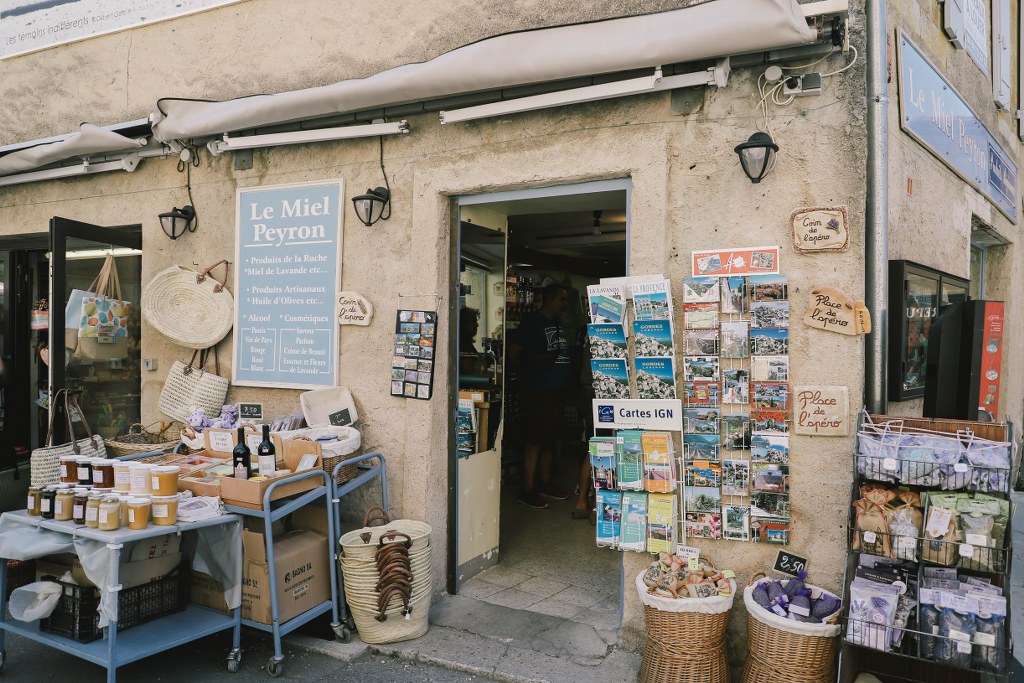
(829,309)
(789,563)
(820,229)
(821,411)
(354,309)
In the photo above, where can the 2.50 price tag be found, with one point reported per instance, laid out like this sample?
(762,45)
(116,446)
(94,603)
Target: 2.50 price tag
(790,563)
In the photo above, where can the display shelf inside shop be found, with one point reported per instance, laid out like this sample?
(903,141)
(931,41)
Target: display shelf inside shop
(917,455)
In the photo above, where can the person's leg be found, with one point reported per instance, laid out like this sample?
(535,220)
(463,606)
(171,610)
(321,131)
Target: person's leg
(531,453)
(530,457)
(584,485)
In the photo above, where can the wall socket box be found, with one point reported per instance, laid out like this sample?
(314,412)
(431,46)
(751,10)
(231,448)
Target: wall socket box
(802,85)
(149,363)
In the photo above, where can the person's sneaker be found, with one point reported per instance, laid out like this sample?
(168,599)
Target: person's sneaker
(532,500)
(554,493)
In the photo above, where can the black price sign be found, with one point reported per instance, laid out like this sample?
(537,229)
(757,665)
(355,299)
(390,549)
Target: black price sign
(250,411)
(788,563)
(342,418)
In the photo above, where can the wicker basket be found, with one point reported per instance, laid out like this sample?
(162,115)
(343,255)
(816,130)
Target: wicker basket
(139,440)
(362,543)
(778,655)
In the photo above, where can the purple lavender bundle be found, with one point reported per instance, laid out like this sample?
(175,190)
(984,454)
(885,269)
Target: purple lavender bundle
(796,583)
(826,605)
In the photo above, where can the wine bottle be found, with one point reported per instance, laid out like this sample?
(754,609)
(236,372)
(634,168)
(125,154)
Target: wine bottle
(241,458)
(266,455)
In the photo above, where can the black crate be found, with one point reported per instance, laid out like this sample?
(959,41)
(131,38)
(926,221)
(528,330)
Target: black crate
(76,615)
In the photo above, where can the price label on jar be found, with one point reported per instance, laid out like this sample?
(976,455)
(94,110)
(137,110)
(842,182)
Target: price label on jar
(159,510)
(966,550)
(104,515)
(155,482)
(889,464)
(97,476)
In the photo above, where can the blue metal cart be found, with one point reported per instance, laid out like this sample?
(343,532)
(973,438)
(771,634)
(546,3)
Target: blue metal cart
(118,649)
(272,511)
(367,473)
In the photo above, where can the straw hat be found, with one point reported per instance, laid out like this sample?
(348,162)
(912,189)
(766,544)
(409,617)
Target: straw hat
(189,308)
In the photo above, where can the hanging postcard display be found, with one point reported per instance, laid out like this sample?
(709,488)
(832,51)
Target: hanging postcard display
(412,364)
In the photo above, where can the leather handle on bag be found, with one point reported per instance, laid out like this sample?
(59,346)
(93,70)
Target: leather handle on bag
(201,277)
(395,535)
(376,513)
(55,400)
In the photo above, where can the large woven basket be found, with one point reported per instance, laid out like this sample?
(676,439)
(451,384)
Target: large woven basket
(362,543)
(775,654)
(139,439)
(191,309)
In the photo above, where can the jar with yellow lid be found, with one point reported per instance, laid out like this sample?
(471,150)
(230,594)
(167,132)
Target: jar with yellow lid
(138,513)
(140,476)
(109,514)
(164,480)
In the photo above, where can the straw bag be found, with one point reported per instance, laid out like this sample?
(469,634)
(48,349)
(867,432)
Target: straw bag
(782,649)
(103,325)
(362,543)
(45,461)
(191,309)
(685,636)
(139,440)
(188,387)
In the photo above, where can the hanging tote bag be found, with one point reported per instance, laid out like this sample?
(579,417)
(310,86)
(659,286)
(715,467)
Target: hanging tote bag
(103,327)
(188,387)
(45,461)
(191,309)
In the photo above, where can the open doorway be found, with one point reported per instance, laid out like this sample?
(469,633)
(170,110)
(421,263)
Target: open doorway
(524,536)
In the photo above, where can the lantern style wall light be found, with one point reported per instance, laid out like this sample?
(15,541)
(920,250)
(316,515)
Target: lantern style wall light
(176,221)
(757,155)
(370,207)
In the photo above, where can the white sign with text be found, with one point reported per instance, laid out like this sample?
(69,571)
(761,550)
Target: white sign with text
(654,414)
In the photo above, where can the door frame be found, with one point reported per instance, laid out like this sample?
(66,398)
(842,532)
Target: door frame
(455,253)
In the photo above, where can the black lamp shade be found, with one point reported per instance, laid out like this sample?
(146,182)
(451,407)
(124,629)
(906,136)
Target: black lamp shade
(176,221)
(756,155)
(370,207)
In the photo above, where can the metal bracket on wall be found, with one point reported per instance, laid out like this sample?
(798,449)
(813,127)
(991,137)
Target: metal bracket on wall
(243,160)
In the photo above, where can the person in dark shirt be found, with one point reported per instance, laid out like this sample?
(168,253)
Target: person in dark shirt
(469,325)
(539,355)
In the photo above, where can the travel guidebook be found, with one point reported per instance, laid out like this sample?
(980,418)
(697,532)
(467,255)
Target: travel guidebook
(603,455)
(703,525)
(700,290)
(630,470)
(701,393)
(658,460)
(609,518)
(607,303)
(653,338)
(611,378)
(655,378)
(607,341)
(634,521)
(700,447)
(661,522)
(651,300)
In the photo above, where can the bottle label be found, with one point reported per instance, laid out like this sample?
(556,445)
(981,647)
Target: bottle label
(63,471)
(122,477)
(240,472)
(83,473)
(58,507)
(104,515)
(31,502)
(45,505)
(268,464)
(131,516)
(91,514)
(156,483)
(160,511)
(97,476)
(79,510)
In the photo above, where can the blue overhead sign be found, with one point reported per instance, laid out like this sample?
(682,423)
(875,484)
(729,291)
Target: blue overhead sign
(287,275)
(933,113)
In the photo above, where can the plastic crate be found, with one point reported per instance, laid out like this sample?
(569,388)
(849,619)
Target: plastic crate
(76,614)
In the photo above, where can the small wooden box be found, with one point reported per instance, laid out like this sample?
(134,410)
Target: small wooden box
(249,494)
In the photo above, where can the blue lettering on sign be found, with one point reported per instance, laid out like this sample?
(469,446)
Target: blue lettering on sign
(663,412)
(606,413)
(936,116)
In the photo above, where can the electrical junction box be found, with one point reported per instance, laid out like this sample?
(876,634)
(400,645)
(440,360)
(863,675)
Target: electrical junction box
(803,85)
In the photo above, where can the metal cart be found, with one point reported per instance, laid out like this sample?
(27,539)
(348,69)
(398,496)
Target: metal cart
(272,511)
(338,491)
(145,639)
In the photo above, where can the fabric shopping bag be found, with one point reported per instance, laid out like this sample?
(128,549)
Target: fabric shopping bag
(191,386)
(45,460)
(73,317)
(103,322)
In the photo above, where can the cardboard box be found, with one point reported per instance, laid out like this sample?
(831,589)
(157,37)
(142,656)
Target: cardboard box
(152,548)
(130,574)
(249,494)
(475,395)
(197,482)
(258,526)
(302,571)
(312,517)
(58,565)
(207,591)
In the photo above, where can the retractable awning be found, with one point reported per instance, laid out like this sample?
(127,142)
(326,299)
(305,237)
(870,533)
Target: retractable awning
(90,140)
(718,28)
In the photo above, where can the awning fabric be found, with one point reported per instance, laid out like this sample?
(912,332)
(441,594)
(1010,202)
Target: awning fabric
(87,141)
(713,29)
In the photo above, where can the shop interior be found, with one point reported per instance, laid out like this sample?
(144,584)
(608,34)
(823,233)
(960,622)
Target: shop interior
(544,560)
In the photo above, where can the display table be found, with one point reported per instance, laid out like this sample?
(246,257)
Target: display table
(23,537)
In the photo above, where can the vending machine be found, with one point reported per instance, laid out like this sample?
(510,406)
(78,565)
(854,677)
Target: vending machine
(965,352)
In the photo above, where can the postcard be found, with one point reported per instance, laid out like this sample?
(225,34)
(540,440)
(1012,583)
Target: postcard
(769,314)
(701,342)
(735,477)
(700,315)
(769,368)
(423,391)
(703,473)
(700,290)
(701,446)
(734,299)
(700,368)
(767,476)
(410,389)
(652,338)
(607,341)
(396,388)
(736,432)
(768,504)
(397,373)
(702,498)
(768,288)
(770,423)
(735,343)
(774,449)
(736,386)
(771,396)
(774,531)
(769,341)
(736,522)
(655,378)
(702,420)
(703,525)
(701,393)
(410,375)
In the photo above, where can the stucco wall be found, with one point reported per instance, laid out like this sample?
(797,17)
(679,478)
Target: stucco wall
(688,193)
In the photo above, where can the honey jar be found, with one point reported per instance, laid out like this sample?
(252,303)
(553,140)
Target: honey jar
(140,476)
(63,505)
(122,477)
(102,473)
(165,510)
(81,498)
(92,511)
(35,497)
(85,471)
(122,501)
(165,480)
(138,513)
(69,469)
(109,514)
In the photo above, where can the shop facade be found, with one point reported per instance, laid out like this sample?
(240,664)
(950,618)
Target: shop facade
(687,192)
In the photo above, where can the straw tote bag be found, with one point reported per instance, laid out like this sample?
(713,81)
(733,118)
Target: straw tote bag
(192,309)
(45,461)
(103,326)
(190,386)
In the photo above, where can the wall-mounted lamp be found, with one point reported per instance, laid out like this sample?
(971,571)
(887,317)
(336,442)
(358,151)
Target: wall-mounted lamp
(176,221)
(757,155)
(370,206)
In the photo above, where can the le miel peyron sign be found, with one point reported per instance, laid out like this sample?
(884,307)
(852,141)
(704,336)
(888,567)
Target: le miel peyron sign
(934,114)
(288,256)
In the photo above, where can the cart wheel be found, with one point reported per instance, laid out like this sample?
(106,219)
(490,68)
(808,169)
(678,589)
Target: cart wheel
(275,667)
(342,633)
(234,661)
(351,623)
